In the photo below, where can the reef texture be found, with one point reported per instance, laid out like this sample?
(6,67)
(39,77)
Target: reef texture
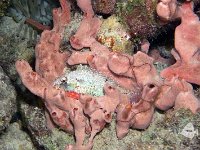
(16,139)
(12,47)
(33,119)
(3,7)
(82,114)
(115,36)
(139,17)
(7,100)
(103,6)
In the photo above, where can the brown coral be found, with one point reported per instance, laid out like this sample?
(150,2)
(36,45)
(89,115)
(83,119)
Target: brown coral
(103,6)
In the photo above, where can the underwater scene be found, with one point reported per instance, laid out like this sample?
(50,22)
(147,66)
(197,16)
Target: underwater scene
(99,75)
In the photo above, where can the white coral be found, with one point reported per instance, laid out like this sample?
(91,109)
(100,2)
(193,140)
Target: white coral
(83,80)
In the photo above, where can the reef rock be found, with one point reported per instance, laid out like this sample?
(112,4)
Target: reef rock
(7,100)
(12,47)
(15,139)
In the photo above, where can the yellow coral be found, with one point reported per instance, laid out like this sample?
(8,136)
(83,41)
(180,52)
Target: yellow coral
(115,36)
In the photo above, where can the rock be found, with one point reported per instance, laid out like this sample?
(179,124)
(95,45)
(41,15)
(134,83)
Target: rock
(197,92)
(12,47)
(8,26)
(15,139)
(7,100)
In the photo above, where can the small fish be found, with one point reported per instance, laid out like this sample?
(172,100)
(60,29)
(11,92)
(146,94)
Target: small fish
(72,94)
(189,131)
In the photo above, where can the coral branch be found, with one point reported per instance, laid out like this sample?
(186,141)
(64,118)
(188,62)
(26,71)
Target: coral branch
(167,9)
(86,33)
(50,63)
(31,79)
(61,16)
(52,97)
(86,7)
(177,93)
(187,44)
(137,115)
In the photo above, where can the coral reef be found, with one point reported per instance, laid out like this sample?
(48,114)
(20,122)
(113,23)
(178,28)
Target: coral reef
(4,4)
(82,112)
